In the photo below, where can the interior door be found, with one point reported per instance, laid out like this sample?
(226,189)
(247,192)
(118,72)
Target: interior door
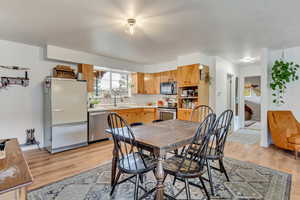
(69,101)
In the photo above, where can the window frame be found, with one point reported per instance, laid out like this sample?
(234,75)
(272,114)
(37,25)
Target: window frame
(96,92)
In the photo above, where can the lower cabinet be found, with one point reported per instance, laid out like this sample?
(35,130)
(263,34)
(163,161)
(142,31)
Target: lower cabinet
(184,114)
(145,115)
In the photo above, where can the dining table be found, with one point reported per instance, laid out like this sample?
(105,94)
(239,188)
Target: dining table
(159,139)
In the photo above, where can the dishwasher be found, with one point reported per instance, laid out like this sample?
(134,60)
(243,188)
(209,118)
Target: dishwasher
(97,126)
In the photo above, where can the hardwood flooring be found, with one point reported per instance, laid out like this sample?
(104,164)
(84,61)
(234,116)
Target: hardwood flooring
(47,168)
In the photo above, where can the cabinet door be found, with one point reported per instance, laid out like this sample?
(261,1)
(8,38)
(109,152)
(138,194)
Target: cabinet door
(164,76)
(149,115)
(188,75)
(185,114)
(138,83)
(181,114)
(156,84)
(88,75)
(148,83)
(173,75)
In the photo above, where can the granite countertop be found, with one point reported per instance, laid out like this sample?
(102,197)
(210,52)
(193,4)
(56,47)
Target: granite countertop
(118,107)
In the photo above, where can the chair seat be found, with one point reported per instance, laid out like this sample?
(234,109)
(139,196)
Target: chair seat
(211,152)
(294,139)
(171,167)
(136,163)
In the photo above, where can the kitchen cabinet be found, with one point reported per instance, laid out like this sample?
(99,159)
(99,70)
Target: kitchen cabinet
(184,114)
(152,83)
(132,115)
(188,75)
(156,77)
(149,114)
(88,75)
(168,76)
(138,83)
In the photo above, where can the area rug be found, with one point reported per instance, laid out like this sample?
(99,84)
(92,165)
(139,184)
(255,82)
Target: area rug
(247,181)
(244,138)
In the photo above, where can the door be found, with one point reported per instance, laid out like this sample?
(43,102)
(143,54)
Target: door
(67,135)
(69,101)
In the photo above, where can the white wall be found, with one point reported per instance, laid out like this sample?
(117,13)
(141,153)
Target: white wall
(22,107)
(292,94)
(223,68)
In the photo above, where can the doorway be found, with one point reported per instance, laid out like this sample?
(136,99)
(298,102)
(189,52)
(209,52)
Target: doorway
(252,103)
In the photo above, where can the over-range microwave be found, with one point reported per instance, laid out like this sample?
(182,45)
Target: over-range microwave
(168,88)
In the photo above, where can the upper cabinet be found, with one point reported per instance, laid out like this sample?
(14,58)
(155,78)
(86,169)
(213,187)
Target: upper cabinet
(88,75)
(168,76)
(152,83)
(149,83)
(138,83)
(188,75)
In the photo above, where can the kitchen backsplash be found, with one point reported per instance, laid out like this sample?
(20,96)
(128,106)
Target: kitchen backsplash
(139,99)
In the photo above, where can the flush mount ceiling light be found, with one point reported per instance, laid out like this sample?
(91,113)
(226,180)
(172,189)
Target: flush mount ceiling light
(248,59)
(131,22)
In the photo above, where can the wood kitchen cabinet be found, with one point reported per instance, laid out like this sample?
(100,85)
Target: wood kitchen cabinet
(168,76)
(152,83)
(138,82)
(188,75)
(149,114)
(132,115)
(184,114)
(88,75)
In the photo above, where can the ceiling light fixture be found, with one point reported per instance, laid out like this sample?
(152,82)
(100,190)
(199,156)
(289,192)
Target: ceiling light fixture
(131,22)
(248,59)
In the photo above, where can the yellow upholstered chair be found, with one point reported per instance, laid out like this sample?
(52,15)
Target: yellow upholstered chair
(285,130)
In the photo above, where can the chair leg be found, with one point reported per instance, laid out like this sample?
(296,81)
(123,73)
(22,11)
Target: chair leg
(296,154)
(210,177)
(136,189)
(204,187)
(115,183)
(176,151)
(142,178)
(187,189)
(174,181)
(223,169)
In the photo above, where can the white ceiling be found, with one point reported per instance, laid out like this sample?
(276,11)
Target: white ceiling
(166,28)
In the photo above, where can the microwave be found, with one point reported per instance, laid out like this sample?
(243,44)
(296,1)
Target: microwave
(168,88)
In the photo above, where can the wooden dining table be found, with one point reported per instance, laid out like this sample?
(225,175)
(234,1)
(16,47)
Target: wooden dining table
(160,138)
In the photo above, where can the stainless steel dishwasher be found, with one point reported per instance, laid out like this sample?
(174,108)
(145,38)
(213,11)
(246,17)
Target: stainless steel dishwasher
(97,126)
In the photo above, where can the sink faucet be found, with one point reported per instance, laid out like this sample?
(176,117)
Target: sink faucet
(115,93)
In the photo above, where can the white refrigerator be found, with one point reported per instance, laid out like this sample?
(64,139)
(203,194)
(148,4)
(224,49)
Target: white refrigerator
(65,114)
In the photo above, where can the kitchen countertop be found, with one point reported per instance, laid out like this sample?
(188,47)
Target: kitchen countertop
(118,107)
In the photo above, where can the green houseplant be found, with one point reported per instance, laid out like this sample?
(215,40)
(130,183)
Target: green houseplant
(282,73)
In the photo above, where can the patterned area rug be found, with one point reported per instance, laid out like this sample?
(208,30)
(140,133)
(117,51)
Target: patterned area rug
(247,181)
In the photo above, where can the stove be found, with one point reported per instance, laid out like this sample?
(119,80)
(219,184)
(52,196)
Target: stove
(167,113)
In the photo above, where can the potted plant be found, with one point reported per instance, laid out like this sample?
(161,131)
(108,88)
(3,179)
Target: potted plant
(283,72)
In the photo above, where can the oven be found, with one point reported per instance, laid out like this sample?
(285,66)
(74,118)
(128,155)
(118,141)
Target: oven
(165,113)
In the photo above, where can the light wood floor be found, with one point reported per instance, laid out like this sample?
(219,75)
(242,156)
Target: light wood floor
(47,168)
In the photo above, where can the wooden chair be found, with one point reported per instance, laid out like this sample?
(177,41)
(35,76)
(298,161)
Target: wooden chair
(200,112)
(190,164)
(217,145)
(130,159)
